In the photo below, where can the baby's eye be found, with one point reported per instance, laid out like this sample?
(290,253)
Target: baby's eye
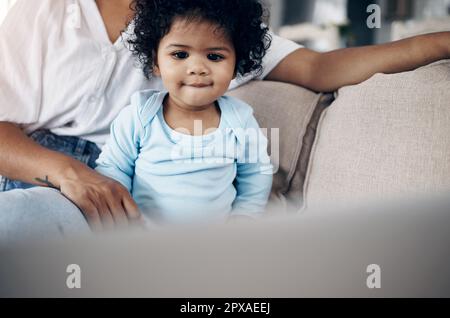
(180,55)
(215,57)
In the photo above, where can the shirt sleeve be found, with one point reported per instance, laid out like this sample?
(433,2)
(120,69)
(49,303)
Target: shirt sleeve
(22,50)
(253,181)
(279,49)
(118,156)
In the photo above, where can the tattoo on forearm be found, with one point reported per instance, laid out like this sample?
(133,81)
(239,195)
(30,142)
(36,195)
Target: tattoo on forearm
(46,182)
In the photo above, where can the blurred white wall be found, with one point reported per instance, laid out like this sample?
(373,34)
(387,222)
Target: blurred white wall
(276,8)
(425,9)
(330,12)
(4,6)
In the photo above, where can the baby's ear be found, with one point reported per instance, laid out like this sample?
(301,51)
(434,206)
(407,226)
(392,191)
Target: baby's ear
(235,74)
(155,70)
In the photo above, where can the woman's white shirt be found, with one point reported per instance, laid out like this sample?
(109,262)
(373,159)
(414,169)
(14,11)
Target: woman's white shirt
(60,71)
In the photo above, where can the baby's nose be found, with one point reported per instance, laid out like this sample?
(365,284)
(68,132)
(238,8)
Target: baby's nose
(197,67)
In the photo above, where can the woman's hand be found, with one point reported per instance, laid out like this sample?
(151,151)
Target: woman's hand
(104,202)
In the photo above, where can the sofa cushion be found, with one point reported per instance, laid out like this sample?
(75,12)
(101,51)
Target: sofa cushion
(288,110)
(384,139)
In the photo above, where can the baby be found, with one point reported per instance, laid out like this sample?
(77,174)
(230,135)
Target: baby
(188,153)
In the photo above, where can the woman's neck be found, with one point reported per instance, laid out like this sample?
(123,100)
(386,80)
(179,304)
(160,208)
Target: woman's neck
(116,15)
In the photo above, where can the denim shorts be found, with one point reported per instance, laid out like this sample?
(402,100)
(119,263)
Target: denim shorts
(80,149)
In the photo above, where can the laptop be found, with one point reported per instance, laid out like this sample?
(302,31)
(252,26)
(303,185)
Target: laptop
(388,250)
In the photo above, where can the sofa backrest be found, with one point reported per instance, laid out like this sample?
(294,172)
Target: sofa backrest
(290,114)
(385,139)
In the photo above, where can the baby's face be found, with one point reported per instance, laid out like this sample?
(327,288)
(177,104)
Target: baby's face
(196,63)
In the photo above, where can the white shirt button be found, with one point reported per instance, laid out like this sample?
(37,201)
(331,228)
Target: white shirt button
(108,53)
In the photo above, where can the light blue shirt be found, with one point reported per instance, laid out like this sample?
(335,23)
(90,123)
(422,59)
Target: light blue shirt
(180,178)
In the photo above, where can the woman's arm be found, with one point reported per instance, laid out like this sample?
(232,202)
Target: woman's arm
(100,198)
(326,72)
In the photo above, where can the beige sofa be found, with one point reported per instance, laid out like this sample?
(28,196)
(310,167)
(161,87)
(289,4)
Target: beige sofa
(385,139)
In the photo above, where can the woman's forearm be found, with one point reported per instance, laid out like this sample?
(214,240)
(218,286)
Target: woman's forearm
(104,202)
(23,159)
(326,72)
(355,65)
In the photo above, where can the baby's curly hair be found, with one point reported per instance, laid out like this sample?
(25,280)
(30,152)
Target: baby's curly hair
(241,20)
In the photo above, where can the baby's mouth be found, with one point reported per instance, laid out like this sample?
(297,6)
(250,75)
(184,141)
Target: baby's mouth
(198,85)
